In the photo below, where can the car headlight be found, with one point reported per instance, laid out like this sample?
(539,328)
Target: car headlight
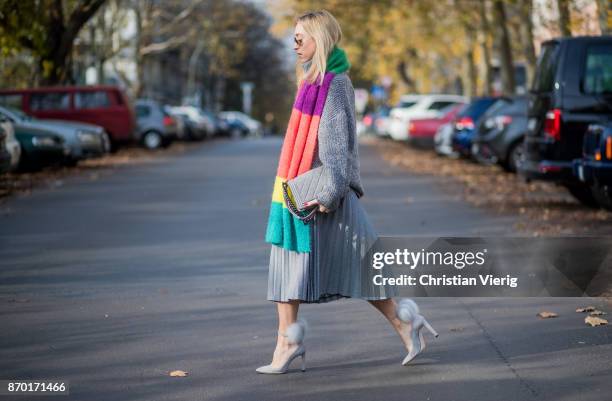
(42,141)
(88,137)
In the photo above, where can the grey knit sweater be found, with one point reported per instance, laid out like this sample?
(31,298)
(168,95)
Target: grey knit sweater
(337,146)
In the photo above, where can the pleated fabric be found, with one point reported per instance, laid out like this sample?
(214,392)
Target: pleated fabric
(333,269)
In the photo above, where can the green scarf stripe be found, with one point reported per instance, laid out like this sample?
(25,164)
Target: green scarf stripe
(337,62)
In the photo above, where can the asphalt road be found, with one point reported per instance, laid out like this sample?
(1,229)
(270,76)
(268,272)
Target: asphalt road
(112,283)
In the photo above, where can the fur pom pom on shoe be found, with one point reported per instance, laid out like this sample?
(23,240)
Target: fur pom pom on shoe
(296,331)
(407,310)
(295,335)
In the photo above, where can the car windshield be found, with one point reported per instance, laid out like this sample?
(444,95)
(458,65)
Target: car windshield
(477,108)
(20,114)
(498,106)
(406,103)
(453,107)
(545,71)
(207,114)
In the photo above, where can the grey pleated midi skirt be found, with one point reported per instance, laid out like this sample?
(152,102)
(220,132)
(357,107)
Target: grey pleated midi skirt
(333,269)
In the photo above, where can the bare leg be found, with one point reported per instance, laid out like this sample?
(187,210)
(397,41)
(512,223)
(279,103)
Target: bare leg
(287,314)
(387,308)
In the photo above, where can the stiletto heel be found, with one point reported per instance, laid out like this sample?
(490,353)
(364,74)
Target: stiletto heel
(431,329)
(295,335)
(408,312)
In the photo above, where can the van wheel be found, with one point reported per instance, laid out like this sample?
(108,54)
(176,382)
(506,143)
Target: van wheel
(152,140)
(515,157)
(603,195)
(583,194)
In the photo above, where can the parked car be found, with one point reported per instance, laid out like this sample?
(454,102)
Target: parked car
(254,126)
(418,106)
(465,124)
(105,106)
(11,144)
(181,122)
(376,122)
(155,127)
(421,131)
(200,124)
(222,126)
(594,168)
(186,128)
(500,133)
(235,128)
(572,89)
(39,148)
(83,140)
(5,156)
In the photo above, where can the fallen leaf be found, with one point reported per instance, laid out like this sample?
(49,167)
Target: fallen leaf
(178,373)
(547,315)
(585,309)
(595,321)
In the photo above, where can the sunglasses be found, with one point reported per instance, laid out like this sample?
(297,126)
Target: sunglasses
(298,42)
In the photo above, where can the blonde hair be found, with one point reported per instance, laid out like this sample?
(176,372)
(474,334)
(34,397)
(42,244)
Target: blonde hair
(326,33)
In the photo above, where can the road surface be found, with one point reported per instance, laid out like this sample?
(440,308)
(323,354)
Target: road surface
(112,283)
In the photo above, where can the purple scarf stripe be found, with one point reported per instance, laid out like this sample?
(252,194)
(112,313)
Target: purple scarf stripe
(312,98)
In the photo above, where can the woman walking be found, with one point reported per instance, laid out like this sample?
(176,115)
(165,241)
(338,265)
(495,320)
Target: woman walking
(320,260)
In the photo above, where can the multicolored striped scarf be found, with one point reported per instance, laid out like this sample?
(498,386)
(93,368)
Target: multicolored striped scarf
(297,153)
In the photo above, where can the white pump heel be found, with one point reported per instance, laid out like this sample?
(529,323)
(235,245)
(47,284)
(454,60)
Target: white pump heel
(408,311)
(295,334)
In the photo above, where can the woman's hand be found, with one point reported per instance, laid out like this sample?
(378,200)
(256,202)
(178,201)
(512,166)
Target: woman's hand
(316,202)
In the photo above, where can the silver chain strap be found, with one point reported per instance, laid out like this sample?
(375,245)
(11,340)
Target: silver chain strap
(302,215)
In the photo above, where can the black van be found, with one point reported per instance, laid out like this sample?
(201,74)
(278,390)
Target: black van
(595,166)
(572,88)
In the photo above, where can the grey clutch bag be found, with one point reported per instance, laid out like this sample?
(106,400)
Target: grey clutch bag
(304,188)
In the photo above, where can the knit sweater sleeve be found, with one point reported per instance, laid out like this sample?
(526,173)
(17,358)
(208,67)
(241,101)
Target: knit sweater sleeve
(333,145)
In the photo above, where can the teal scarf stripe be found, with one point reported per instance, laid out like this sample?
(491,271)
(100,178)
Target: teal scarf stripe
(291,234)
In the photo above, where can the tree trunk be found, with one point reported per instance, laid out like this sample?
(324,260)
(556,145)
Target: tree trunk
(603,10)
(142,10)
(503,37)
(564,17)
(470,66)
(54,60)
(526,10)
(402,68)
(486,55)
